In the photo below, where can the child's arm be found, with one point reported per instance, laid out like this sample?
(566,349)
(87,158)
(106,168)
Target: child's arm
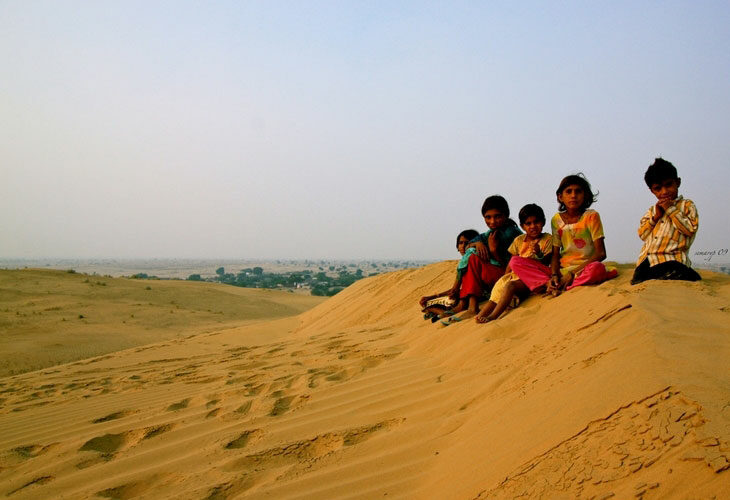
(480,246)
(648,222)
(555,268)
(686,220)
(492,245)
(454,292)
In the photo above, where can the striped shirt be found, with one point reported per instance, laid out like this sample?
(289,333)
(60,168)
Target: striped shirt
(670,237)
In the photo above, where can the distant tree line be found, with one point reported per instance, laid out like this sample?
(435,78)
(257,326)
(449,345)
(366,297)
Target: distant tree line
(319,283)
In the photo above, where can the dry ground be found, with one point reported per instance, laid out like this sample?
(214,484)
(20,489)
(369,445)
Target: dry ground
(49,317)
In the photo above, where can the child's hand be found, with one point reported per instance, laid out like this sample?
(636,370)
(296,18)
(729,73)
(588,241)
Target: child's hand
(481,249)
(554,282)
(664,203)
(553,287)
(493,242)
(536,249)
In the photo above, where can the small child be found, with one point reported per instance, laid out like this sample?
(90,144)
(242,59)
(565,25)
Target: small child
(668,229)
(492,254)
(533,245)
(448,302)
(578,243)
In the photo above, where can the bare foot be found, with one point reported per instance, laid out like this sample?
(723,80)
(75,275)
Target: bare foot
(482,319)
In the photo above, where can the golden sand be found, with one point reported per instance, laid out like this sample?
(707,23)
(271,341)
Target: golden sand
(605,391)
(50,317)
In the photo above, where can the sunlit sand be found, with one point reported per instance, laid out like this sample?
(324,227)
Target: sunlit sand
(610,390)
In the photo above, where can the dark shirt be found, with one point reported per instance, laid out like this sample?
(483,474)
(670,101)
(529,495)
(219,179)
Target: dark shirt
(505,235)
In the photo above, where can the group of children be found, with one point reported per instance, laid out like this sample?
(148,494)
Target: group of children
(509,265)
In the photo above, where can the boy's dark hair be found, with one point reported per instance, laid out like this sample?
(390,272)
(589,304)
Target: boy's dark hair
(496,202)
(469,234)
(659,171)
(532,210)
(580,180)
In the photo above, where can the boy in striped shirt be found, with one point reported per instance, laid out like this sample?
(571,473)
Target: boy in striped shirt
(668,229)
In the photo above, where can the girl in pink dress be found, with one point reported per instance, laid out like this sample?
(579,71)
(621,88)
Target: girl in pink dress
(578,243)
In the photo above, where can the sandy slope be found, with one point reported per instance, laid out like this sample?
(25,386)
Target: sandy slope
(49,317)
(607,390)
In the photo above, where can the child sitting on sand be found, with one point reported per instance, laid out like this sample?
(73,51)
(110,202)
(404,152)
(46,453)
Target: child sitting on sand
(492,255)
(535,245)
(668,229)
(578,243)
(449,301)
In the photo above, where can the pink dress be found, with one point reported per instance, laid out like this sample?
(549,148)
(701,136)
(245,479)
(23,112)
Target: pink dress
(577,244)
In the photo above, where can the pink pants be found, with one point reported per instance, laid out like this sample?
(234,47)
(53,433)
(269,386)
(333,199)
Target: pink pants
(535,274)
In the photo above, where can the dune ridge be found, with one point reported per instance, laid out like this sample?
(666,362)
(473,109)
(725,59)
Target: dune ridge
(606,391)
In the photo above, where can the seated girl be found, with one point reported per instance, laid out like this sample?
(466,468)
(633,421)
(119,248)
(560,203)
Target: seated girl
(449,302)
(535,245)
(492,256)
(578,243)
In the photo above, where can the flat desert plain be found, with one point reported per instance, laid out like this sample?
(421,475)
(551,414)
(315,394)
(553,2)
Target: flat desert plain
(607,391)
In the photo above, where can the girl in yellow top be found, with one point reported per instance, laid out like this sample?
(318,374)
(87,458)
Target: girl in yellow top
(534,245)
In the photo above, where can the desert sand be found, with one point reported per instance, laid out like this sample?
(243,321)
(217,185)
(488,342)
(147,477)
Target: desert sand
(50,317)
(606,391)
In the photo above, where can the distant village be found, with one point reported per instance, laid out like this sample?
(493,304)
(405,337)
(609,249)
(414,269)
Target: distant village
(318,278)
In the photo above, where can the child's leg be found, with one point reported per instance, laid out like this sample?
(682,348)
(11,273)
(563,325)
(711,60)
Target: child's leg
(436,310)
(641,273)
(673,270)
(460,306)
(473,304)
(486,310)
(479,276)
(593,273)
(497,291)
(510,291)
(532,273)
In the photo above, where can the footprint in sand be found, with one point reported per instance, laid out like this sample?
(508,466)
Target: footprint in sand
(125,491)
(24,453)
(134,489)
(180,405)
(109,444)
(33,450)
(310,450)
(37,481)
(114,416)
(281,406)
(248,437)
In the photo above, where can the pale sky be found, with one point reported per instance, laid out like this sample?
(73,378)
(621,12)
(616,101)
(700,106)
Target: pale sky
(308,129)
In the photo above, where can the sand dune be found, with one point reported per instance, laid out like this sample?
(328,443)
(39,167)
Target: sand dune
(49,317)
(606,390)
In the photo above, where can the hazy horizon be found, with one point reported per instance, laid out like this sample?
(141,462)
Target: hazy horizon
(344,130)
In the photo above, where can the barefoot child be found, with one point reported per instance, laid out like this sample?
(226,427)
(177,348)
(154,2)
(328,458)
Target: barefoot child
(533,245)
(578,243)
(448,302)
(492,254)
(668,229)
